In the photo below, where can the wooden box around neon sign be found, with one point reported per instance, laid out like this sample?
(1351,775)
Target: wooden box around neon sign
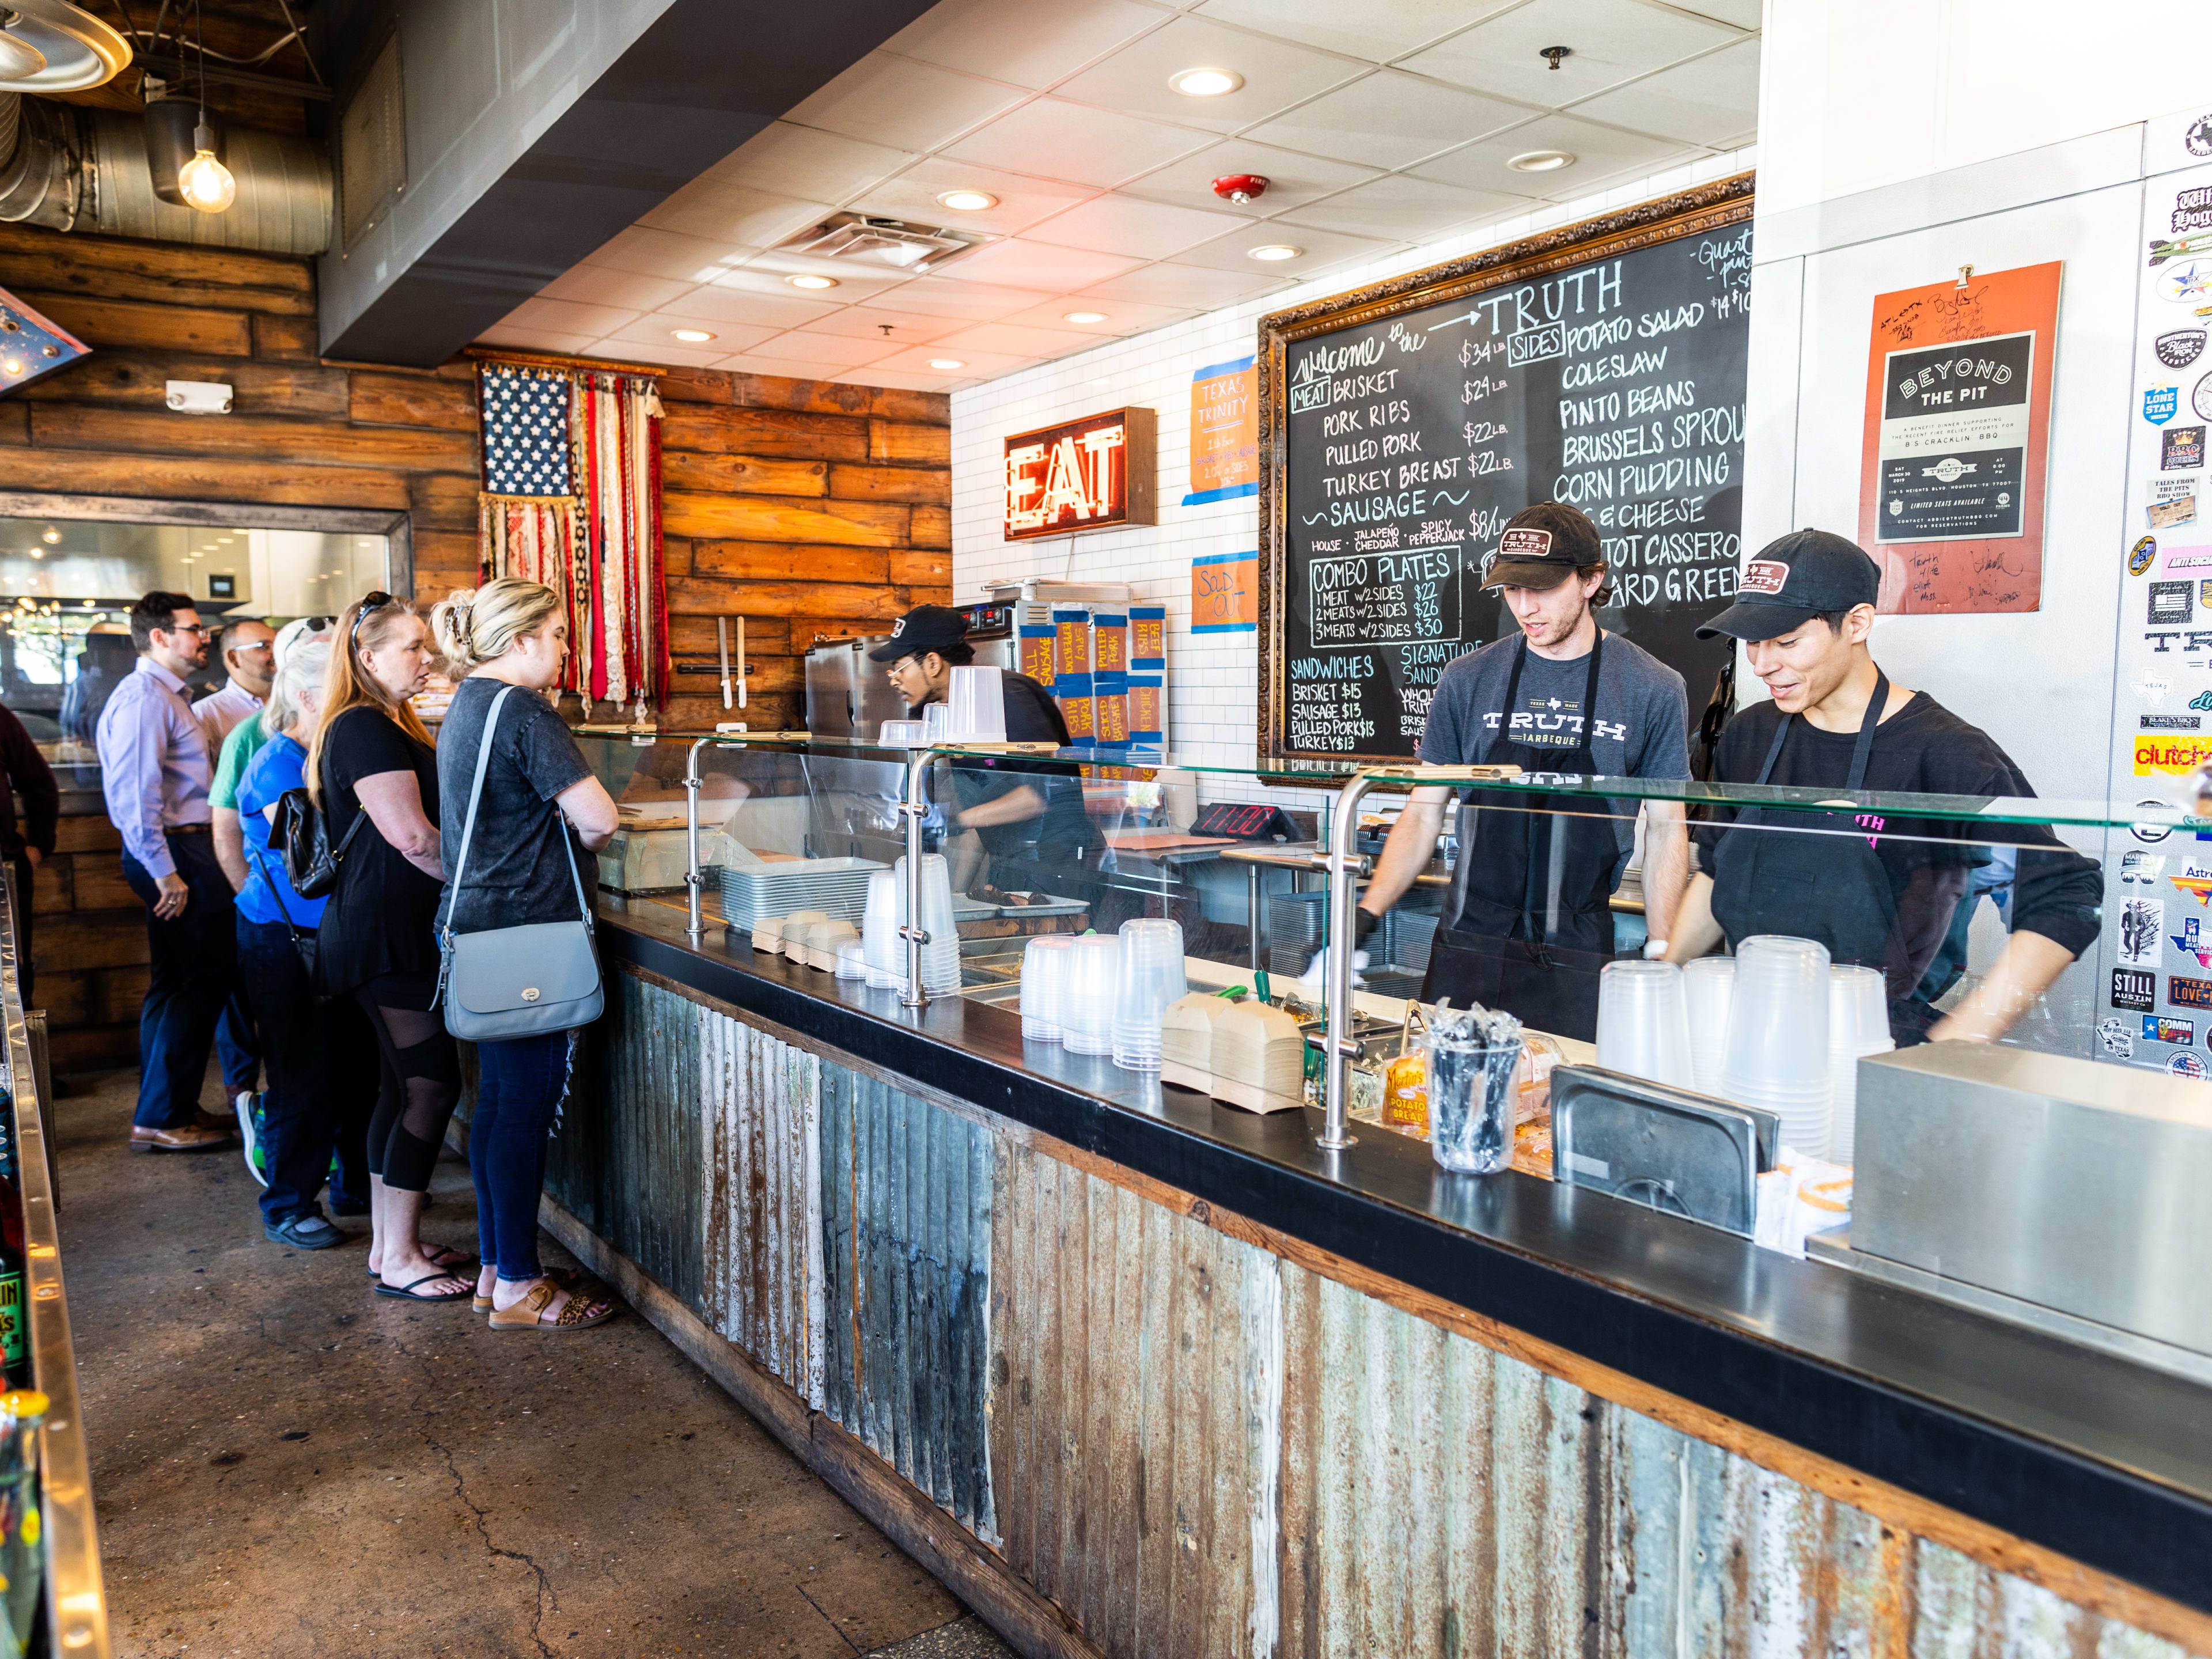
(1094,473)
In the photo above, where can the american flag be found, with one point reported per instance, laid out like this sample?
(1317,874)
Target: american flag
(525,430)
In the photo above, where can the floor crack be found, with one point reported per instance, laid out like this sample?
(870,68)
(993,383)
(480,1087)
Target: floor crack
(826,1619)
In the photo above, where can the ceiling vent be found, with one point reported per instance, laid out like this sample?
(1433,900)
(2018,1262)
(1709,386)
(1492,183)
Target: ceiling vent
(867,241)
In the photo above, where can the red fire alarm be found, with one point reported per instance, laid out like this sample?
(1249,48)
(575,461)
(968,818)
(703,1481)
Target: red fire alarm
(1240,187)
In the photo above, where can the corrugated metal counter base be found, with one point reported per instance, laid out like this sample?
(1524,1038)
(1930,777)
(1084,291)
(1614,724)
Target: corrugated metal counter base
(1188,1445)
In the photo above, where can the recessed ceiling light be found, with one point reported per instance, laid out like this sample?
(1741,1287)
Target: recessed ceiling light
(968,201)
(1541,160)
(1084,316)
(691,336)
(50,538)
(1205,82)
(811,281)
(948,362)
(1273,250)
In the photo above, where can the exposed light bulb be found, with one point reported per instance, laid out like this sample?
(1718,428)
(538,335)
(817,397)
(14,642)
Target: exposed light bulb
(204,182)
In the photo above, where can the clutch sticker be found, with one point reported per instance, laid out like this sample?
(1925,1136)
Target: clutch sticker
(2170,602)
(2141,554)
(2181,449)
(1763,576)
(2180,347)
(2185,1066)
(2119,1043)
(2188,993)
(2162,404)
(2141,921)
(2165,1027)
(2134,988)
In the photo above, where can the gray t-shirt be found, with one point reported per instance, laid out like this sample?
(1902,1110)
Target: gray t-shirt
(518,868)
(1640,725)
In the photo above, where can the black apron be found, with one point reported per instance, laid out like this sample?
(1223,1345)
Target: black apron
(1532,924)
(1822,885)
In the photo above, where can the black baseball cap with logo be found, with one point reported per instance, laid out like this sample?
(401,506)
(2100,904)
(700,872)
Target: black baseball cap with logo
(1542,546)
(924,628)
(1795,578)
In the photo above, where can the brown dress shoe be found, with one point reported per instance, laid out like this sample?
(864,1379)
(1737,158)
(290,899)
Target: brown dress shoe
(216,1121)
(187,1138)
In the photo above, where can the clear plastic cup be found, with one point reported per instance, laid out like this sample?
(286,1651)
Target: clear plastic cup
(1473,1075)
(1776,1056)
(1044,970)
(977,698)
(852,960)
(1643,1022)
(1087,995)
(940,955)
(936,722)
(1151,976)
(881,918)
(1708,986)
(1858,1025)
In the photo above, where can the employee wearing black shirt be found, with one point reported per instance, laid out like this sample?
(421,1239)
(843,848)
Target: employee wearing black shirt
(1876,892)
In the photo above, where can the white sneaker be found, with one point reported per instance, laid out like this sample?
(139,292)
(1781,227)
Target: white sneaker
(248,1108)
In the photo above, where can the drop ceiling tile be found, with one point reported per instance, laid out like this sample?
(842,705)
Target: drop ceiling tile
(897,101)
(597,285)
(1744,14)
(1184,286)
(733,214)
(1021,201)
(806,162)
(1075,142)
(1022,264)
(570,317)
(664,253)
(664,352)
(1377,30)
(1713,99)
(1401,208)
(1293,180)
(1116,223)
(974,365)
(655,333)
(1320,248)
(843,350)
(1122,316)
(518,338)
(1277,74)
(709,307)
(1388,120)
(975,303)
(867,323)
(1602,155)
(1012,340)
(899,379)
(764,273)
(1609,41)
(1019,40)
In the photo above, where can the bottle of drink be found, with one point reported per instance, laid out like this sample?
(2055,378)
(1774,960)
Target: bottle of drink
(14,1315)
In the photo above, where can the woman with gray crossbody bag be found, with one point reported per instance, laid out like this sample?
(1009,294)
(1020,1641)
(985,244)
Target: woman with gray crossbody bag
(519,973)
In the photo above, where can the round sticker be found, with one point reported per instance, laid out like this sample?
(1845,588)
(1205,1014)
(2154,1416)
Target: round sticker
(2185,1066)
(2200,399)
(2189,284)
(2141,555)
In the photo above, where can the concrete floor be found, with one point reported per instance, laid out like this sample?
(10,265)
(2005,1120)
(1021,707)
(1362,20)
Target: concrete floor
(286,1464)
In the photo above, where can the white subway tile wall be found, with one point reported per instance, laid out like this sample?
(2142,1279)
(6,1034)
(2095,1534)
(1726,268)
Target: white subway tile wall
(1213,710)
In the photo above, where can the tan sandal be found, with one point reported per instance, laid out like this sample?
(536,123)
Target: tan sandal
(560,1276)
(528,1315)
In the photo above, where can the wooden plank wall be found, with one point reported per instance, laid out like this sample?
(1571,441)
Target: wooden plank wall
(804,507)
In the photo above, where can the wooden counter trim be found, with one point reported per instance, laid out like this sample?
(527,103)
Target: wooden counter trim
(973,1571)
(1897,1510)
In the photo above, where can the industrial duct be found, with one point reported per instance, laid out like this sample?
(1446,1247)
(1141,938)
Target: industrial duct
(85,169)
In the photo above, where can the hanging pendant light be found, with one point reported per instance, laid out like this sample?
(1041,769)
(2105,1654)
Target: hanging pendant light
(203,181)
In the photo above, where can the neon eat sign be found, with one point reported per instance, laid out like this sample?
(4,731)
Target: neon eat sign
(1071,476)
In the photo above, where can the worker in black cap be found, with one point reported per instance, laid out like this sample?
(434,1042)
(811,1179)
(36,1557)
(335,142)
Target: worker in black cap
(1025,812)
(1877,891)
(1528,925)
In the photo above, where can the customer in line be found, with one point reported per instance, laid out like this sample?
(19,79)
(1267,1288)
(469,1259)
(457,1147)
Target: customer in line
(523,868)
(155,770)
(248,656)
(372,754)
(25,774)
(322,1056)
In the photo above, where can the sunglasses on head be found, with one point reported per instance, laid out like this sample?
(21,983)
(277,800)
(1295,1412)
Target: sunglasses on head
(375,601)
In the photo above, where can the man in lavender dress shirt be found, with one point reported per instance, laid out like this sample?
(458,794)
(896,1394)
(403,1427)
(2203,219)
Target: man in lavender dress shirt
(155,769)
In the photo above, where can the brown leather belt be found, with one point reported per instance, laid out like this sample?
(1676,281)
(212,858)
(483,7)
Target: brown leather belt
(188,830)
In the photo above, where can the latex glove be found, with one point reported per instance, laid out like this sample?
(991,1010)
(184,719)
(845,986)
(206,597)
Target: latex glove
(1317,973)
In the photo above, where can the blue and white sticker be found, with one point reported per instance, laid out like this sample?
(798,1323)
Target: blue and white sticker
(2162,404)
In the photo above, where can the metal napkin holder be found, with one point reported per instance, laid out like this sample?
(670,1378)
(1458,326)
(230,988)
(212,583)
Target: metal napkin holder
(1671,1150)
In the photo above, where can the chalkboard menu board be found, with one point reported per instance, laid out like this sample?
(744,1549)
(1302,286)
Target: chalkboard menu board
(1601,365)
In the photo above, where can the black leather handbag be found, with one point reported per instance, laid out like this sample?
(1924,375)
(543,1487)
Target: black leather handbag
(310,860)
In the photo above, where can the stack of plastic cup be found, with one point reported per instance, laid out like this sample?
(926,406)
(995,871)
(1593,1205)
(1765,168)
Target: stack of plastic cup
(940,957)
(1087,994)
(1708,985)
(936,723)
(1777,1057)
(1858,1025)
(1044,967)
(852,959)
(978,700)
(880,921)
(1643,1022)
(1151,977)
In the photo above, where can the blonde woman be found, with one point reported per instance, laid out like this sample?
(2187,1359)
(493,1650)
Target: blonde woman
(537,791)
(374,774)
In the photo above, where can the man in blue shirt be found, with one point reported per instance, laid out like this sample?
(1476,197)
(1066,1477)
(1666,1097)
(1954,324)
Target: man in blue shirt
(155,770)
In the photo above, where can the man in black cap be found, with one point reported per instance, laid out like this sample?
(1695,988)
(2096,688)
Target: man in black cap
(1032,812)
(1528,926)
(1876,889)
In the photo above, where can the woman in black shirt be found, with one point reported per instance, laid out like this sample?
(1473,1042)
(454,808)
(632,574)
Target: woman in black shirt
(522,866)
(372,754)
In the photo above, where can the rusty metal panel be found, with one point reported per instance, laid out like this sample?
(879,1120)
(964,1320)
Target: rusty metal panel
(921,1242)
(839,1260)
(760,1193)
(1136,1368)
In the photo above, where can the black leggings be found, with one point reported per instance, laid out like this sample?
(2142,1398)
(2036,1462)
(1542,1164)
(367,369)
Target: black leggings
(422,1078)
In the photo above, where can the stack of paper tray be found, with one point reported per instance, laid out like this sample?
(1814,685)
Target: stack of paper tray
(836,887)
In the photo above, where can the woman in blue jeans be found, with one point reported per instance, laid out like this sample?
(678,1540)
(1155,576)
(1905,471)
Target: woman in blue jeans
(320,1057)
(522,864)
